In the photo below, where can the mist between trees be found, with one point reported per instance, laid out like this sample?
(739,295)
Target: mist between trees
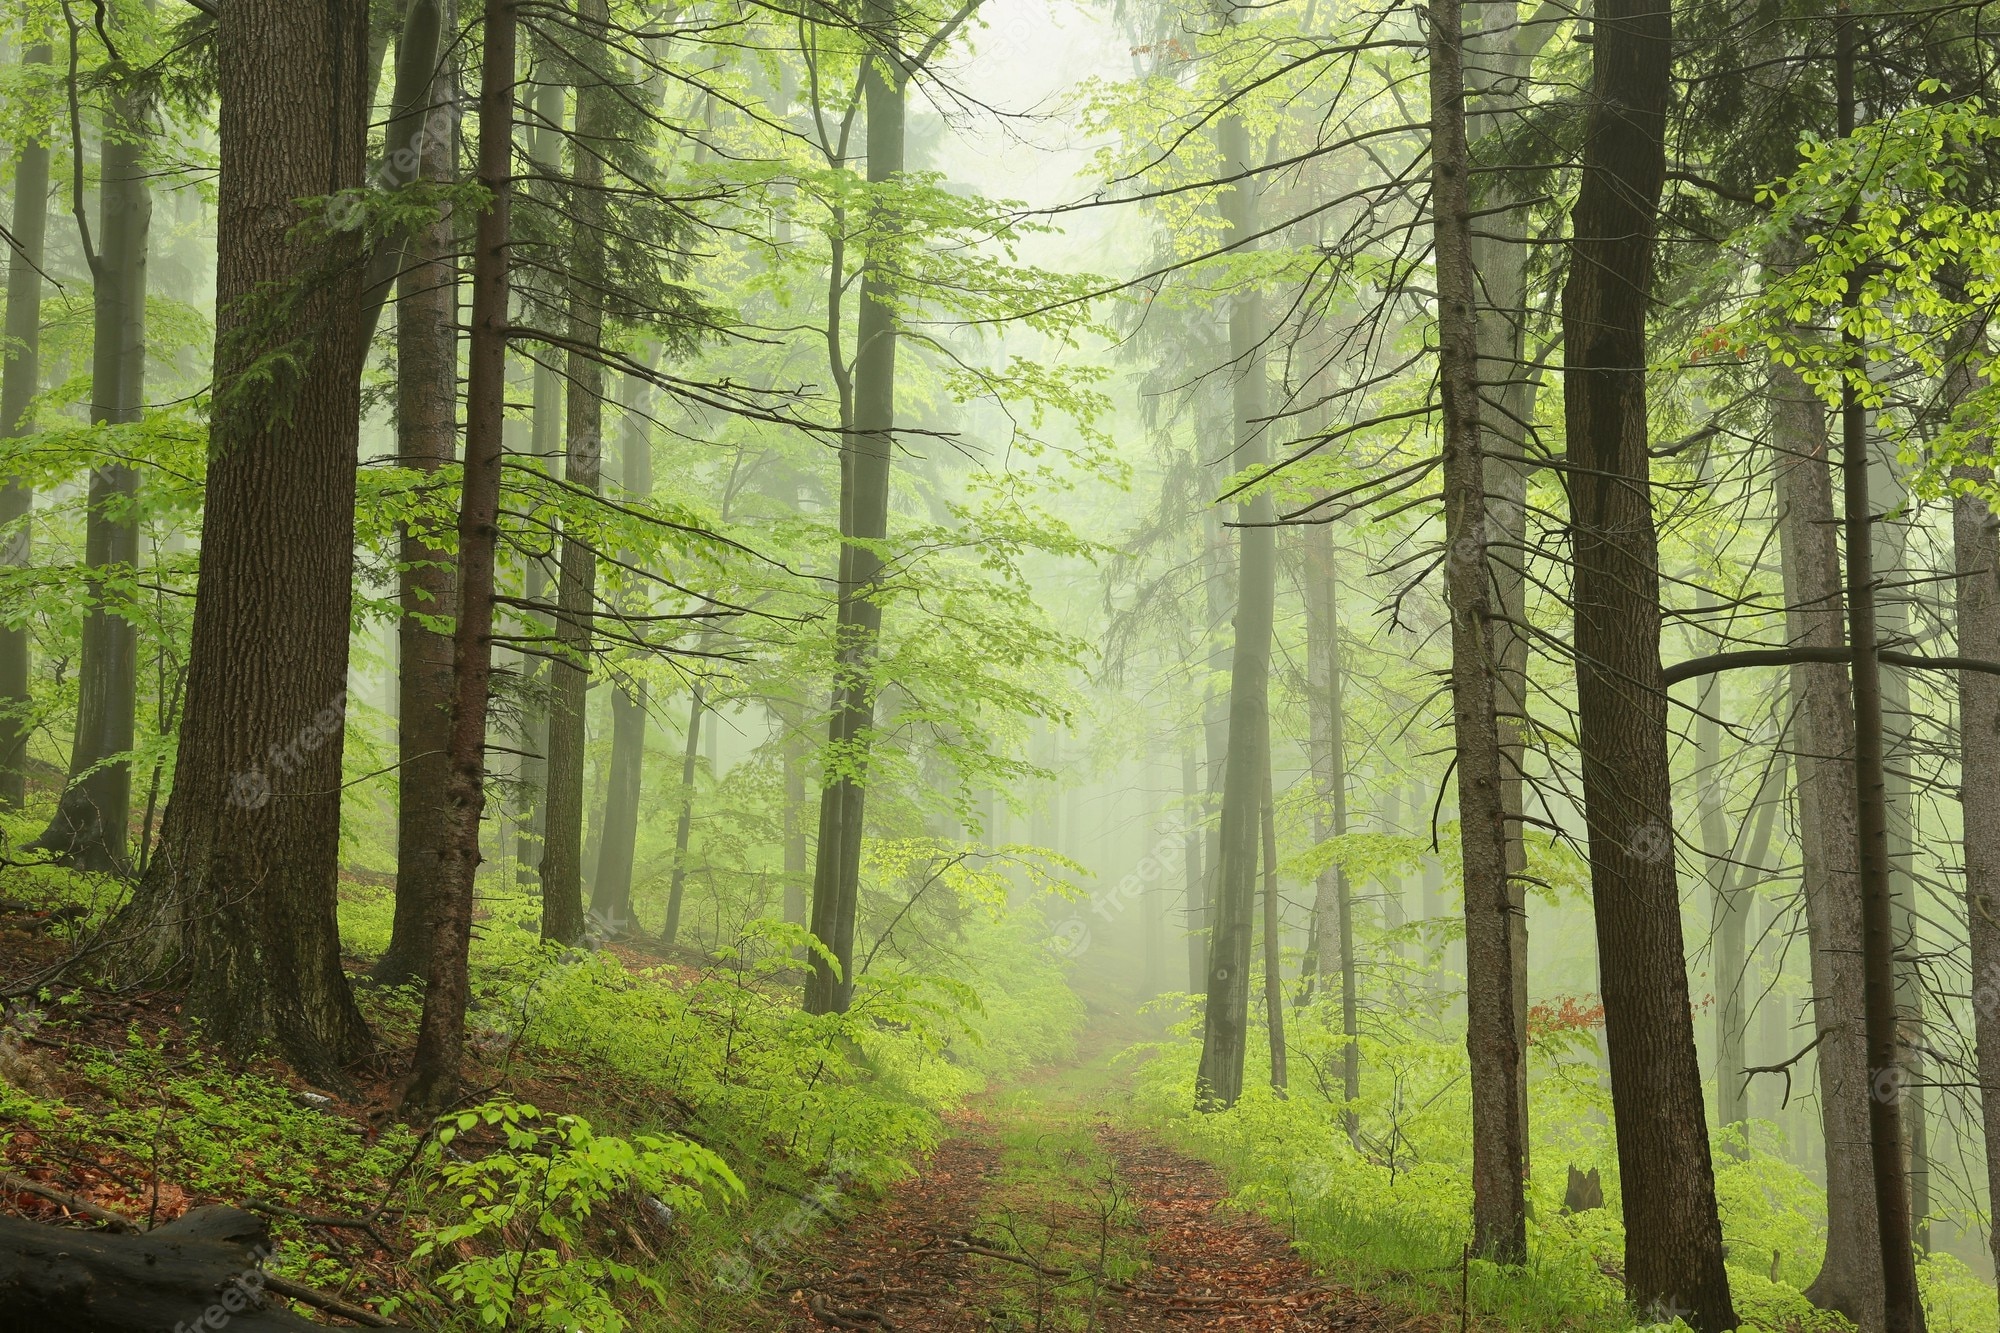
(1445,552)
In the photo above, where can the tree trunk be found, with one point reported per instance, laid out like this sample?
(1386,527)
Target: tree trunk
(1673,1246)
(617,847)
(441,1031)
(545,444)
(1902,1306)
(1193,796)
(1734,866)
(1499,1211)
(1976,546)
(576,582)
(246,872)
(427,440)
(92,822)
(1274,951)
(864,484)
(798,852)
(1822,737)
(684,826)
(1226,1020)
(1219,567)
(19,382)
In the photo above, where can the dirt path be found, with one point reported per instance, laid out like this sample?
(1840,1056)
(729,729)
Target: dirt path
(1038,1213)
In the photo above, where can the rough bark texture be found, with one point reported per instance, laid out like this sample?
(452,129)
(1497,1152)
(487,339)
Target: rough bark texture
(19,382)
(441,1031)
(202,1270)
(865,465)
(576,582)
(427,319)
(244,882)
(1673,1248)
(91,825)
(1226,1018)
(1822,736)
(1499,1210)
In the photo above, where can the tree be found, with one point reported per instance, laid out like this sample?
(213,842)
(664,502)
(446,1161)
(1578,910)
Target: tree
(1673,1249)
(19,382)
(243,884)
(1499,1130)
(92,821)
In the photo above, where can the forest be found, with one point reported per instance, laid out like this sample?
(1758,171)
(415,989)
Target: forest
(979,665)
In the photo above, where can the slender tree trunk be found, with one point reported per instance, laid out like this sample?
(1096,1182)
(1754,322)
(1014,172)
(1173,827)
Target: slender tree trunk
(245,874)
(866,464)
(427,441)
(576,584)
(1219,566)
(1902,1308)
(1499,1211)
(1822,736)
(441,1031)
(1976,546)
(798,852)
(545,444)
(1274,950)
(617,847)
(684,825)
(19,382)
(1226,1019)
(1673,1246)
(1193,796)
(92,822)
(1734,867)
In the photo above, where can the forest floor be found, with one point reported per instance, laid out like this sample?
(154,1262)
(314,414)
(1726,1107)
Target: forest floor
(1045,1210)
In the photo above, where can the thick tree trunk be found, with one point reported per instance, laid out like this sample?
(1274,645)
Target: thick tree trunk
(245,876)
(576,582)
(427,440)
(866,455)
(92,822)
(1673,1246)
(617,847)
(19,382)
(1226,1019)
(1499,1211)
(201,1271)
(1219,577)
(1822,737)
(441,1031)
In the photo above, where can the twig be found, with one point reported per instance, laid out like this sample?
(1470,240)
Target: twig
(336,1223)
(1783,1067)
(320,1300)
(75,1203)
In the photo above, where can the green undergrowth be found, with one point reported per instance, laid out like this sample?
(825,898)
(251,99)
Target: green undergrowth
(646,1142)
(1386,1211)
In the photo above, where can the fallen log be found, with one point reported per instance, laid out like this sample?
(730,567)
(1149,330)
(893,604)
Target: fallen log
(199,1274)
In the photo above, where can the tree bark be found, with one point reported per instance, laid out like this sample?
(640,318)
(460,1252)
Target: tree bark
(245,877)
(427,441)
(684,826)
(1226,1019)
(1499,1210)
(1274,951)
(1822,736)
(1673,1247)
(545,444)
(92,822)
(19,382)
(866,463)
(617,847)
(1193,796)
(576,582)
(441,1030)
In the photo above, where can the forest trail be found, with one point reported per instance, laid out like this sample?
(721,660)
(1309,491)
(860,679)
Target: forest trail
(1042,1211)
